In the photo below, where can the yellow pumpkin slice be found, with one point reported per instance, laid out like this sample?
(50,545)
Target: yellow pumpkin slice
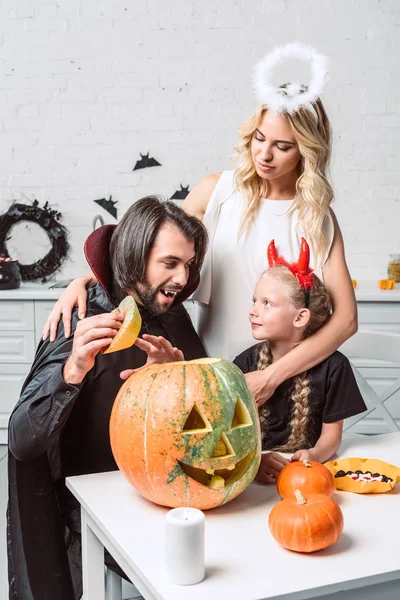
(130,327)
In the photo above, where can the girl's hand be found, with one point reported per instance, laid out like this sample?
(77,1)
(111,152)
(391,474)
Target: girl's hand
(262,384)
(74,295)
(158,349)
(271,465)
(303,455)
(328,443)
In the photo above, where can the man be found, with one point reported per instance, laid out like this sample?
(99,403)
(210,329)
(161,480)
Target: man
(60,425)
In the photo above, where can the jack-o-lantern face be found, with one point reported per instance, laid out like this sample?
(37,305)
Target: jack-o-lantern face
(187,433)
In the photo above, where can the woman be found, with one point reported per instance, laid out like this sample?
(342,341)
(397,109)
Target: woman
(280,190)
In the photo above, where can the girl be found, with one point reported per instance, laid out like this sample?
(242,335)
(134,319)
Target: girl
(305,414)
(279,190)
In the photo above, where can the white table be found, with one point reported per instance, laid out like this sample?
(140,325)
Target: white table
(243,561)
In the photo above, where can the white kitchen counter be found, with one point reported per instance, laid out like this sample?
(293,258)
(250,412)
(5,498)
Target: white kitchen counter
(366,291)
(32,291)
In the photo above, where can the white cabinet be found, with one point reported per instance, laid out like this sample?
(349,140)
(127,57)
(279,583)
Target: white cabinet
(12,376)
(383,316)
(380,376)
(21,326)
(379,315)
(16,346)
(16,316)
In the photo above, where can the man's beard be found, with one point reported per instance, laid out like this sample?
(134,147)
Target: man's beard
(147,296)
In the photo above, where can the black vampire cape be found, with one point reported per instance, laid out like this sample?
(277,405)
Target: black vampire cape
(58,429)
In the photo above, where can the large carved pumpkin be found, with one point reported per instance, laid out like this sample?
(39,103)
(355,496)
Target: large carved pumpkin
(187,433)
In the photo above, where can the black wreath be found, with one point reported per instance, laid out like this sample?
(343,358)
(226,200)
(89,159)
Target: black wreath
(46,218)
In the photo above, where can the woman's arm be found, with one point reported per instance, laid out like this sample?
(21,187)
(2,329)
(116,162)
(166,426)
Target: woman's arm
(74,295)
(197,200)
(342,325)
(328,442)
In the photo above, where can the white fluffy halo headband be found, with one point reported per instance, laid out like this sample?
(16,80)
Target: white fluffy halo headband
(297,94)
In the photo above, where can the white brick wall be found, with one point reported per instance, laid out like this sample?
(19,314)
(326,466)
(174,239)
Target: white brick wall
(86,85)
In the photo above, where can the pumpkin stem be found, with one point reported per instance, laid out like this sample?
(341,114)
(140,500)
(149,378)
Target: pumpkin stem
(306,463)
(299,497)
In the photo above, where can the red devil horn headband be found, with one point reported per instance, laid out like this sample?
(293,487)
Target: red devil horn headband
(300,269)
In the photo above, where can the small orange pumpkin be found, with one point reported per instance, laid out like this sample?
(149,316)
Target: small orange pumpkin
(308,476)
(387,284)
(306,525)
(354,282)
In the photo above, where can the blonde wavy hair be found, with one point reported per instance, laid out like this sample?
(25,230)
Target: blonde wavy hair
(320,307)
(314,193)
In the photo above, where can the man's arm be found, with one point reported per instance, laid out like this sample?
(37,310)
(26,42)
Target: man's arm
(45,402)
(54,383)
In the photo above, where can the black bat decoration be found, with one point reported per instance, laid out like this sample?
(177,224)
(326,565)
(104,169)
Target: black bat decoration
(180,194)
(145,161)
(108,205)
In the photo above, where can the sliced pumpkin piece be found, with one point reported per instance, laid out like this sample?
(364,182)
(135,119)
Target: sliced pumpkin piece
(130,327)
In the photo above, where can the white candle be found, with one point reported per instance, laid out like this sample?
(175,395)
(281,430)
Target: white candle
(184,534)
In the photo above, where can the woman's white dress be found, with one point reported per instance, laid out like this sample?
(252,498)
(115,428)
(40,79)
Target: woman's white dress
(233,266)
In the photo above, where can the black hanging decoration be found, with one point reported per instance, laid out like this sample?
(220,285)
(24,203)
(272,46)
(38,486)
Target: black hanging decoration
(47,219)
(180,194)
(146,161)
(108,205)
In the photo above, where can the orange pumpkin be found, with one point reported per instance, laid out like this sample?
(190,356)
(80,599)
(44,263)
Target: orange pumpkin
(387,284)
(354,282)
(308,476)
(187,433)
(306,525)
